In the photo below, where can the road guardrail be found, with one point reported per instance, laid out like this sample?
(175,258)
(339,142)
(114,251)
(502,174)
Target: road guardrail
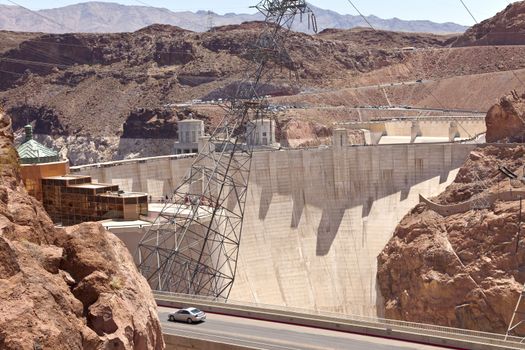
(374,326)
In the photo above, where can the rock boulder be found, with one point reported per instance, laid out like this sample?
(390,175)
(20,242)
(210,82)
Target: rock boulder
(506,119)
(76,288)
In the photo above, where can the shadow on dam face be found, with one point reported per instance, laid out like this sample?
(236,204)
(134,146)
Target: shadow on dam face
(337,180)
(315,220)
(328,227)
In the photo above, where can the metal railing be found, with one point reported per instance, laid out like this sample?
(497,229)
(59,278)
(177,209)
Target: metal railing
(115,163)
(441,332)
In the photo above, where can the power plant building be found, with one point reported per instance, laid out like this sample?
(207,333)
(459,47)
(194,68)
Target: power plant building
(36,162)
(72,199)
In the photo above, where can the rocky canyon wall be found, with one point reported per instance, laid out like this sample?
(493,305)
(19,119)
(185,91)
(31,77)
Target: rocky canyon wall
(74,288)
(464,269)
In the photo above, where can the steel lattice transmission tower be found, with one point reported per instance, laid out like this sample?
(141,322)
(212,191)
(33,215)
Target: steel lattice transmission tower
(194,243)
(481,188)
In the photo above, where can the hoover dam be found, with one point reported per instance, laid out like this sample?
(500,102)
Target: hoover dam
(281,178)
(316,219)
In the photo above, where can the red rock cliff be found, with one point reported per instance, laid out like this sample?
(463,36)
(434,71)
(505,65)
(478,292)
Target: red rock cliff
(463,270)
(506,119)
(65,289)
(505,28)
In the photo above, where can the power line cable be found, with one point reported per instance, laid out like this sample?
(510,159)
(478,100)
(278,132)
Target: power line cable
(362,16)
(39,52)
(56,61)
(36,63)
(198,25)
(468,10)
(9,72)
(504,58)
(41,15)
(427,89)
(43,40)
(193,9)
(142,3)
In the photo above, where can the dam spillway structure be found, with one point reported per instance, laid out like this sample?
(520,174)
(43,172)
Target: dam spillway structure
(193,246)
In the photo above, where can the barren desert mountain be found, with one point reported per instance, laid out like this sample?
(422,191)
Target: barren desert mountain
(505,28)
(76,288)
(453,261)
(367,37)
(104,17)
(75,77)
(64,83)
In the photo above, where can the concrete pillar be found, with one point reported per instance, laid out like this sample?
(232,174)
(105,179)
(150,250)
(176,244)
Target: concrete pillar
(453,131)
(105,178)
(204,145)
(142,177)
(339,138)
(367,136)
(447,156)
(415,131)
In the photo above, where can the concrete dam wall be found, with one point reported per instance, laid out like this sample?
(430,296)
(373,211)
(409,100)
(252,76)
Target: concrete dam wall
(315,219)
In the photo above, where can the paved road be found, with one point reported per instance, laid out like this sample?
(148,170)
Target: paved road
(366,87)
(275,336)
(416,109)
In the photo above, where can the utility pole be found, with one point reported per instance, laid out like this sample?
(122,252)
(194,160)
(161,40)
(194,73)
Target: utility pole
(481,188)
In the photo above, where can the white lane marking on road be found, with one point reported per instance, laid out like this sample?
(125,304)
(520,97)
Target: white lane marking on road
(247,339)
(206,336)
(343,336)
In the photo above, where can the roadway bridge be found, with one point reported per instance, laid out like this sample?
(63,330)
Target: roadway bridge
(420,129)
(239,325)
(242,333)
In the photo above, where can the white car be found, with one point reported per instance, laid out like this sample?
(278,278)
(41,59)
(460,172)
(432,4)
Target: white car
(188,315)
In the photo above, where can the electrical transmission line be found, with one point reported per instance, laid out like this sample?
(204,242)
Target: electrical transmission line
(501,55)
(41,15)
(427,89)
(517,318)
(193,245)
(362,16)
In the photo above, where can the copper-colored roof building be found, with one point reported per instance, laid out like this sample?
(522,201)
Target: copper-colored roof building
(72,199)
(37,162)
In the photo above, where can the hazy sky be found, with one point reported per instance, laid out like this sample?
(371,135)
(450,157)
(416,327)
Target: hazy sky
(434,10)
